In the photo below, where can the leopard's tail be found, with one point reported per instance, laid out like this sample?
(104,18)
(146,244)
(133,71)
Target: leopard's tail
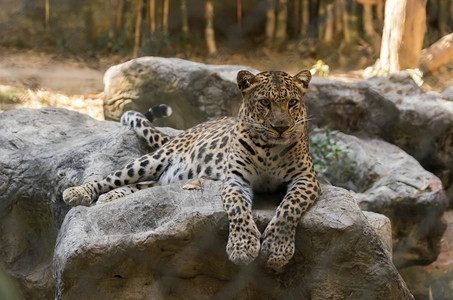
(142,126)
(158,111)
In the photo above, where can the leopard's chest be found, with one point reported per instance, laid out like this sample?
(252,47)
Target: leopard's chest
(269,170)
(267,182)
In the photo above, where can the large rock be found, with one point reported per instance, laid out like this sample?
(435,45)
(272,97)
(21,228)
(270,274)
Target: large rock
(394,109)
(44,151)
(388,181)
(41,153)
(196,92)
(167,243)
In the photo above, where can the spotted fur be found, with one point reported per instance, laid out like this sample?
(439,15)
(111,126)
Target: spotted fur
(265,148)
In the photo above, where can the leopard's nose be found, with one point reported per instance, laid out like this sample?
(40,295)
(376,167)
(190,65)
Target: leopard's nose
(280,128)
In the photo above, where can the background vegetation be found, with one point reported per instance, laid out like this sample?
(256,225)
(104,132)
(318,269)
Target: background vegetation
(339,31)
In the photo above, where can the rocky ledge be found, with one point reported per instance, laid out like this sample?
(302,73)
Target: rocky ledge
(165,241)
(168,243)
(390,108)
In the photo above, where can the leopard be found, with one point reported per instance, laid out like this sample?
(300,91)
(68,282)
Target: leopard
(263,149)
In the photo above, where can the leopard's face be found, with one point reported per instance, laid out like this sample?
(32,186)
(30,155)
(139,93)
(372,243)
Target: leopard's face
(273,104)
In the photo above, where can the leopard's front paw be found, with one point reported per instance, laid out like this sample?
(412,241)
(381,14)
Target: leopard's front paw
(110,196)
(243,245)
(79,195)
(278,246)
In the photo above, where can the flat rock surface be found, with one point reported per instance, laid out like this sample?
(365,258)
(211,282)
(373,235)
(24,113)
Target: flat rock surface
(169,243)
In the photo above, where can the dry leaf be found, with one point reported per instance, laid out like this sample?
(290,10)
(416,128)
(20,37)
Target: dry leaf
(194,184)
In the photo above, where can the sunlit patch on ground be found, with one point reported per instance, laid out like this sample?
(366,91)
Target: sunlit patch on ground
(14,98)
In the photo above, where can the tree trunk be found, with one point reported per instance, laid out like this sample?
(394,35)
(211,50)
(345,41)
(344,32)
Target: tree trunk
(270,20)
(368,26)
(296,15)
(350,22)
(304,16)
(380,11)
(402,38)
(128,18)
(116,18)
(165,11)
(330,21)
(152,16)
(339,7)
(46,20)
(438,54)
(209,32)
(47,14)
(321,19)
(239,15)
(119,16)
(113,11)
(443,16)
(450,12)
(185,21)
(414,33)
(282,19)
(138,25)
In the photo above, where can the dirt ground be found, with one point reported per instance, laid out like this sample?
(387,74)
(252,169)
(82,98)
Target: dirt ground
(29,78)
(74,75)
(76,82)
(83,75)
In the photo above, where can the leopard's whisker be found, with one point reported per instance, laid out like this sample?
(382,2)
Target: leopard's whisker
(304,120)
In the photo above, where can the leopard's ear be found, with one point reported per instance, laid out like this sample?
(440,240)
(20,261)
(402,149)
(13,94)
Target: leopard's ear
(303,78)
(245,79)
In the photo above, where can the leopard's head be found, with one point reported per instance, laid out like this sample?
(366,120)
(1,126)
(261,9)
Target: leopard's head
(273,104)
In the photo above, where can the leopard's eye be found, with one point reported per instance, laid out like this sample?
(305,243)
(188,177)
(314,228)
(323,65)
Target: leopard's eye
(265,102)
(292,102)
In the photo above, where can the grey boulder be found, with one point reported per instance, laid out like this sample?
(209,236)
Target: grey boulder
(41,153)
(391,108)
(169,243)
(386,180)
(196,92)
(44,151)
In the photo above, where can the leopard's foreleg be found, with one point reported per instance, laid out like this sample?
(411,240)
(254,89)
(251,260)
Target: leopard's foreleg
(146,168)
(244,237)
(279,237)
